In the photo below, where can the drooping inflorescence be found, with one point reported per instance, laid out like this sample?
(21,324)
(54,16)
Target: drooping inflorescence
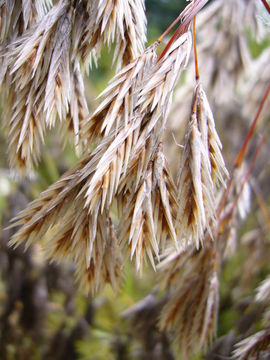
(121,200)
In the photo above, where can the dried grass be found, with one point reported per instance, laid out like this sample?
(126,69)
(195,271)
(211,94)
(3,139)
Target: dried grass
(156,217)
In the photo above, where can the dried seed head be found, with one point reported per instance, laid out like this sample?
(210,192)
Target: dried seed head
(241,191)
(158,86)
(254,346)
(122,21)
(120,98)
(49,84)
(191,308)
(150,211)
(263,292)
(211,139)
(70,232)
(195,185)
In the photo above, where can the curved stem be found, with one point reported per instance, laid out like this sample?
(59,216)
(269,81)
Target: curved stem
(197,73)
(266,5)
(243,149)
(194,8)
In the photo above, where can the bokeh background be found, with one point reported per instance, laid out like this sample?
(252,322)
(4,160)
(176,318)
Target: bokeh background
(43,315)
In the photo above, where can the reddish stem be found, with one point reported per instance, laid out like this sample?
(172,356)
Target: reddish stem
(197,73)
(182,14)
(243,149)
(266,5)
(251,167)
(182,28)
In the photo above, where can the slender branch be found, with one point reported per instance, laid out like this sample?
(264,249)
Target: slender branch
(181,15)
(250,169)
(197,73)
(243,149)
(266,5)
(194,9)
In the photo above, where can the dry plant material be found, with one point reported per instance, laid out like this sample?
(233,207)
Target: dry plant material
(148,217)
(202,169)
(119,98)
(258,344)
(44,65)
(190,311)
(224,51)
(120,20)
(254,347)
(76,203)
(75,218)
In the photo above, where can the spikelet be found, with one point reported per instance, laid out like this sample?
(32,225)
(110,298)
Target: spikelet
(157,90)
(254,347)
(26,96)
(41,65)
(69,232)
(263,296)
(138,223)
(154,104)
(120,98)
(18,15)
(122,21)
(191,308)
(211,139)
(58,88)
(241,191)
(195,185)
(26,127)
(93,248)
(150,211)
(263,291)
(78,108)
(132,44)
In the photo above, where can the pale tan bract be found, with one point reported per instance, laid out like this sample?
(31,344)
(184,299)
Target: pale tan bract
(190,310)
(202,168)
(251,347)
(120,20)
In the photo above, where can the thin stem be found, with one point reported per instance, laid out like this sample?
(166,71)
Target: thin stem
(197,73)
(194,8)
(266,5)
(180,16)
(243,149)
(250,169)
